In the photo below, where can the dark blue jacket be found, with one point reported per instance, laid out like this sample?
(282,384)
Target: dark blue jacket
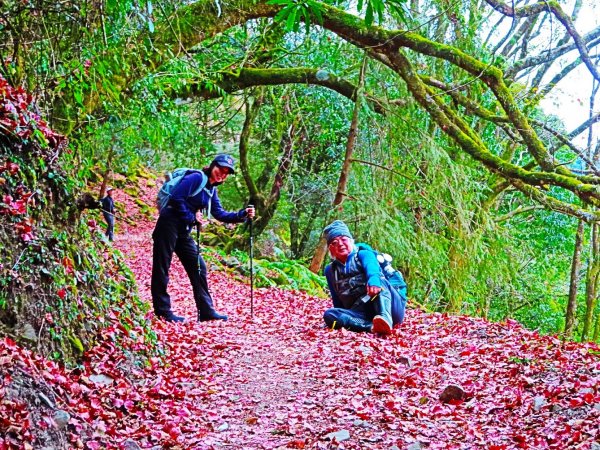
(108,205)
(183,207)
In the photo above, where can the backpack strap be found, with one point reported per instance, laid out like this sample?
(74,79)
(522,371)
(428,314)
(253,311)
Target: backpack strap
(210,195)
(202,184)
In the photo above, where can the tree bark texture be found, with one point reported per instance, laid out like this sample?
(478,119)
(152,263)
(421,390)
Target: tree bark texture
(571,312)
(591,288)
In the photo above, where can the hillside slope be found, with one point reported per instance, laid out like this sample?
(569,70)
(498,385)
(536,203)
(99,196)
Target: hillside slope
(281,380)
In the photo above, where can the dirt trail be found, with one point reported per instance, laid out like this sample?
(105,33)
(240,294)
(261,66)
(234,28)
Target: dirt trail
(281,380)
(267,377)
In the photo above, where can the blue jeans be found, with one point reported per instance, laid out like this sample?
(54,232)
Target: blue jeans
(361,318)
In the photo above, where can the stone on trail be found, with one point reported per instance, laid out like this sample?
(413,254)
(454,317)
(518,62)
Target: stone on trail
(61,418)
(339,436)
(452,392)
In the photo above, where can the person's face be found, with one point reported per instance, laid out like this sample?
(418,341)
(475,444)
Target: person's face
(341,247)
(218,174)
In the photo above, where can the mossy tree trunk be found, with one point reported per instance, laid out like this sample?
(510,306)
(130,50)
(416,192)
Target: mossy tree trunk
(591,286)
(571,311)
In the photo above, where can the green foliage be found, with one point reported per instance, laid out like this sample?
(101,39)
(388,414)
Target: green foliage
(412,191)
(282,272)
(296,11)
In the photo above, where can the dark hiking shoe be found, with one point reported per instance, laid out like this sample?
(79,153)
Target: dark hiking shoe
(213,316)
(172,318)
(357,324)
(380,325)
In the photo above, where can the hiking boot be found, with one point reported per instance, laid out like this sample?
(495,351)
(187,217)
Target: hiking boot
(382,322)
(381,325)
(357,324)
(172,318)
(212,316)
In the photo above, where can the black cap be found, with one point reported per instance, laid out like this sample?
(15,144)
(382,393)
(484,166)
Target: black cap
(224,160)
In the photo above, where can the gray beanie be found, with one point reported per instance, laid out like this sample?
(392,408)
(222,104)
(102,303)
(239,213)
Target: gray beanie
(336,229)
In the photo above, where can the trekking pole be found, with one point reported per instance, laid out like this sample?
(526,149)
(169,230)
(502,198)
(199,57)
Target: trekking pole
(198,238)
(251,267)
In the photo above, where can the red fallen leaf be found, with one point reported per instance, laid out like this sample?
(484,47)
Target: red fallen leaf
(62,293)
(23,227)
(575,402)
(296,444)
(95,403)
(13,168)
(26,237)
(123,329)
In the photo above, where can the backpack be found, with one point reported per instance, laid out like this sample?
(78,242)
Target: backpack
(175,177)
(385,264)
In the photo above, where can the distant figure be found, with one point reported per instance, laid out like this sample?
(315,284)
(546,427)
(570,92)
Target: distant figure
(108,211)
(363,299)
(172,235)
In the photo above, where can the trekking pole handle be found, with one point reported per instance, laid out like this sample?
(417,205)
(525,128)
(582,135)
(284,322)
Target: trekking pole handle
(250,205)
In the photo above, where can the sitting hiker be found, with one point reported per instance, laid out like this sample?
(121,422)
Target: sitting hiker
(363,298)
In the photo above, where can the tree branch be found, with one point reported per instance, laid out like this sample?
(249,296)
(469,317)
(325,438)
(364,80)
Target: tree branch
(229,82)
(552,6)
(590,38)
(554,204)
(515,212)
(370,163)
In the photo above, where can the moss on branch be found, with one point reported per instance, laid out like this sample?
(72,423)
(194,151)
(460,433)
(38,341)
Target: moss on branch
(229,82)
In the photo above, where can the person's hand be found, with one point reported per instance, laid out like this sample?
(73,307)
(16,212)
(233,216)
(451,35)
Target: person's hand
(250,212)
(373,290)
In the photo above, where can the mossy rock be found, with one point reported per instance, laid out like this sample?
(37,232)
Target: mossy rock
(144,173)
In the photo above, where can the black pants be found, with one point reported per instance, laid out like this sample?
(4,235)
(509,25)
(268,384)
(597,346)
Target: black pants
(171,236)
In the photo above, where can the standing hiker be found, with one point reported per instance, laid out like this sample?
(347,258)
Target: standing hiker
(363,298)
(108,211)
(197,190)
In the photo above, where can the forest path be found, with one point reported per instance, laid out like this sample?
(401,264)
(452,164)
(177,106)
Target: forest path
(281,380)
(263,382)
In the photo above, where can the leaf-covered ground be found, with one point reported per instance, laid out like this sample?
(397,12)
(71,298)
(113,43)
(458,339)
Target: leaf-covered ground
(281,380)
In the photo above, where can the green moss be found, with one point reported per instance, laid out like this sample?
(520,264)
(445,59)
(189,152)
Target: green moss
(76,343)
